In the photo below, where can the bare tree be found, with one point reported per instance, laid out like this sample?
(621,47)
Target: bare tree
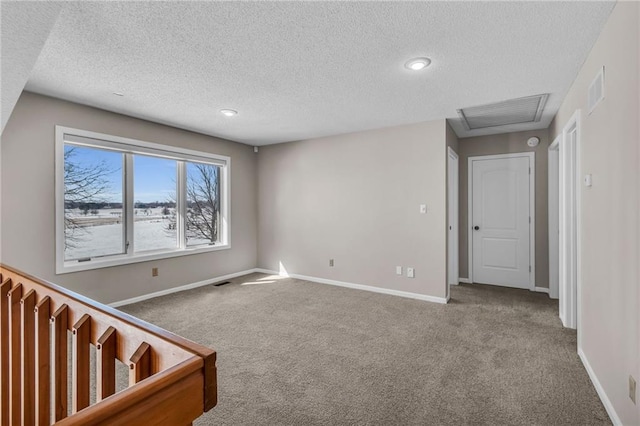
(203,203)
(82,184)
(202,216)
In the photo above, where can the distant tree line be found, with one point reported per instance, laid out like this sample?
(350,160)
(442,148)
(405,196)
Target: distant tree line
(98,205)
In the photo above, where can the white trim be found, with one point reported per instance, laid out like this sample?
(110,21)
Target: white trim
(615,419)
(181,204)
(127,260)
(172,290)
(542,290)
(532,210)
(180,288)
(553,185)
(570,227)
(465,280)
(128,206)
(59,205)
(427,298)
(136,146)
(128,147)
(453,209)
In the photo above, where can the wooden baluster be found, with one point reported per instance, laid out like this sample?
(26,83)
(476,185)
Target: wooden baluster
(28,359)
(140,364)
(60,320)
(106,364)
(81,375)
(4,352)
(43,393)
(15,394)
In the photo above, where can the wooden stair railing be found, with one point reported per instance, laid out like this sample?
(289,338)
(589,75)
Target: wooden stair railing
(172,380)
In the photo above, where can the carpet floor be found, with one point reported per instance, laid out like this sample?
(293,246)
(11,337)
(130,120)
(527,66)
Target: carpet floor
(291,352)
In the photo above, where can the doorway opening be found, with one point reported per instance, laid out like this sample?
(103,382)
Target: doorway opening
(502,220)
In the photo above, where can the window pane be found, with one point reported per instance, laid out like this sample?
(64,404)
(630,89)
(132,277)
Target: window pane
(203,204)
(93,201)
(154,213)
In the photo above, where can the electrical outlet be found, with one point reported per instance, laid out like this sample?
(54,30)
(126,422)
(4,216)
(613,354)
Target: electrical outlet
(330,262)
(411,273)
(154,272)
(398,270)
(632,389)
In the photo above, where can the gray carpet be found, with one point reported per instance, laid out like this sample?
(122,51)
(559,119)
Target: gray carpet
(292,352)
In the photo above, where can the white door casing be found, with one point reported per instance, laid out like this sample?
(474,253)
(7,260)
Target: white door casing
(452,230)
(554,218)
(501,220)
(569,248)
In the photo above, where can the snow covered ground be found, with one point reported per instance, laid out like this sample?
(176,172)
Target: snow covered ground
(105,237)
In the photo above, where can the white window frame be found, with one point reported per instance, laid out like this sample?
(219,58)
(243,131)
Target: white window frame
(130,147)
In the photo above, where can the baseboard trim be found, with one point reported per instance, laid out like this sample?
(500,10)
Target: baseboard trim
(268,271)
(599,389)
(180,288)
(465,280)
(409,295)
(542,290)
(372,289)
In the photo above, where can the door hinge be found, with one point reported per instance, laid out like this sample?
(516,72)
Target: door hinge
(529,268)
(529,170)
(529,219)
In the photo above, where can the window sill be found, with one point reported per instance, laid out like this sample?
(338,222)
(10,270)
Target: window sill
(75,266)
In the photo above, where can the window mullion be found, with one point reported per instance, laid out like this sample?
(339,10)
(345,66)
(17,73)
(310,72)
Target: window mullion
(181,207)
(128,204)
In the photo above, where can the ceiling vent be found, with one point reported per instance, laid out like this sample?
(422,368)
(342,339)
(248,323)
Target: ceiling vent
(513,111)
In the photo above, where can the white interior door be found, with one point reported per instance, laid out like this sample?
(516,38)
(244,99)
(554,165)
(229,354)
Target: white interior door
(453,188)
(501,220)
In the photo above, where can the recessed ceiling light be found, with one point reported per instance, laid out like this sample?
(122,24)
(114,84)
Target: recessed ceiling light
(118,94)
(417,64)
(228,112)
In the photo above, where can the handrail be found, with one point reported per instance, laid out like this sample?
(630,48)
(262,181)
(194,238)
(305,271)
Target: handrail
(141,402)
(160,361)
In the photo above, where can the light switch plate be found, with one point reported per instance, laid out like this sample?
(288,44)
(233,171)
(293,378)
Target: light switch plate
(423,208)
(398,270)
(411,273)
(588,181)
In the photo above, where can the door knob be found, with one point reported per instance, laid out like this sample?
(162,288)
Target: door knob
(477,228)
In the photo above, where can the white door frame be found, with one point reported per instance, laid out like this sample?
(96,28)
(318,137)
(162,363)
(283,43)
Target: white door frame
(570,225)
(532,210)
(453,188)
(554,217)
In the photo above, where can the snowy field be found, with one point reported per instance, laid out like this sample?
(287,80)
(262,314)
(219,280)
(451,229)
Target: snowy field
(103,233)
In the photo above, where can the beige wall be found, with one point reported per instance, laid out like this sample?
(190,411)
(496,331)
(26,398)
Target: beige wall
(355,198)
(610,139)
(505,144)
(28,208)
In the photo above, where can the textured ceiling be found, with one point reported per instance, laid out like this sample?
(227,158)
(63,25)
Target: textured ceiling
(25,28)
(298,70)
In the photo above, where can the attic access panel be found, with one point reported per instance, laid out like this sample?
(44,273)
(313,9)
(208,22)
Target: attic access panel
(513,111)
